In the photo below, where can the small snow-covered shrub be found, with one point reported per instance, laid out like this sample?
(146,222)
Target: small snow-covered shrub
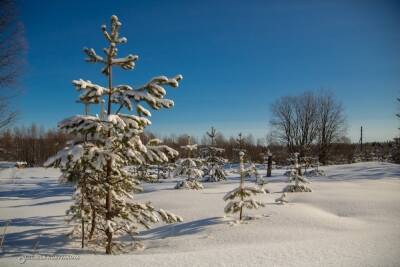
(241,197)
(190,168)
(189,184)
(214,162)
(297,188)
(299,182)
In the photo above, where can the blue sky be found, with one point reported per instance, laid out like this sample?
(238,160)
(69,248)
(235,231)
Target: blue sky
(236,57)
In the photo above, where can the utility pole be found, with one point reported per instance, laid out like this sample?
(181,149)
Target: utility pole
(361,139)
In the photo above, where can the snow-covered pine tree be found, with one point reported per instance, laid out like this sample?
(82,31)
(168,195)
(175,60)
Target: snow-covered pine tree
(157,154)
(113,142)
(241,197)
(214,162)
(82,213)
(250,171)
(315,171)
(299,183)
(260,181)
(162,172)
(292,169)
(145,174)
(240,143)
(168,169)
(190,168)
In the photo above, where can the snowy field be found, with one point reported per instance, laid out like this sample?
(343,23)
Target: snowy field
(351,219)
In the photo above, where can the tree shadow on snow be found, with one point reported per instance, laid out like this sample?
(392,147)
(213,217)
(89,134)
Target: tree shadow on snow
(34,221)
(42,190)
(42,203)
(44,241)
(180,229)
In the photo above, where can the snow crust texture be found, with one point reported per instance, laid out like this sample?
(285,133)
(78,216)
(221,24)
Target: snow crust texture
(350,219)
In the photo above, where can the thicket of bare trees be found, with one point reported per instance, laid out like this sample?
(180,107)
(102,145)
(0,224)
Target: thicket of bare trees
(34,145)
(12,50)
(31,144)
(304,121)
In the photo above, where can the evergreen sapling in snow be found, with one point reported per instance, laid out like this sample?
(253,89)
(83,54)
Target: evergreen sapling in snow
(260,181)
(157,154)
(190,168)
(251,171)
(313,162)
(214,162)
(241,197)
(299,182)
(113,142)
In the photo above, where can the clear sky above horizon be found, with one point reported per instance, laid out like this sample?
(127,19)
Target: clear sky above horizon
(236,57)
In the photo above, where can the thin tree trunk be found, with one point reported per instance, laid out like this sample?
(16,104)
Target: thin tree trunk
(83,224)
(93,226)
(109,196)
(82,208)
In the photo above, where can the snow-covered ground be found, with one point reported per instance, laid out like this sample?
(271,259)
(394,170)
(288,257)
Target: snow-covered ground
(352,218)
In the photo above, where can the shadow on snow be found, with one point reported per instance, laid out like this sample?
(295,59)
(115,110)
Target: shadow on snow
(188,228)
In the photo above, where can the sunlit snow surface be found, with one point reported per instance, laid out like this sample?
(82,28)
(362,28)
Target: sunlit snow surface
(352,218)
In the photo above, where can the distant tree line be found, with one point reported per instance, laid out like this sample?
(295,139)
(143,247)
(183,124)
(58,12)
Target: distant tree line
(32,144)
(312,124)
(35,145)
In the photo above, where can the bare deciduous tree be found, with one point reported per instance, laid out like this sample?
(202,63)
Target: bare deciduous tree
(294,121)
(283,120)
(12,50)
(307,119)
(331,123)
